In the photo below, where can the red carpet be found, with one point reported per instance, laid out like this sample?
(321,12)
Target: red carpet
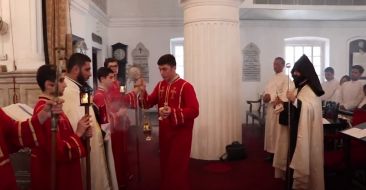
(252,173)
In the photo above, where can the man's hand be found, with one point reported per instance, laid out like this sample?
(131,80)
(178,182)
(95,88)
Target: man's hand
(266,98)
(291,96)
(84,127)
(140,85)
(51,106)
(165,112)
(277,101)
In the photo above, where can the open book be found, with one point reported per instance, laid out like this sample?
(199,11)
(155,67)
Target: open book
(358,131)
(19,112)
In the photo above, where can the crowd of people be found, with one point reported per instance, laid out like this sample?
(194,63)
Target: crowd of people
(294,127)
(100,134)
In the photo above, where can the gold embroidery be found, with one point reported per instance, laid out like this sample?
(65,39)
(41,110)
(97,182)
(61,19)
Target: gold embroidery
(77,144)
(180,95)
(33,133)
(20,134)
(4,162)
(68,146)
(175,117)
(173,92)
(181,114)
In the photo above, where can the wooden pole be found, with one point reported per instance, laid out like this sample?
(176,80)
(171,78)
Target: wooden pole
(289,171)
(88,149)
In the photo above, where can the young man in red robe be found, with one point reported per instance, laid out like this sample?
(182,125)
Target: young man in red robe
(69,148)
(112,105)
(15,135)
(178,107)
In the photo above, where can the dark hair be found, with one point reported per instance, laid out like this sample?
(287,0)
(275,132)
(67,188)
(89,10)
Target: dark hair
(45,73)
(103,72)
(345,77)
(280,59)
(167,59)
(358,67)
(329,69)
(109,60)
(78,59)
(364,87)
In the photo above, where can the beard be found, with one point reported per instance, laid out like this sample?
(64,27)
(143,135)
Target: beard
(80,79)
(299,81)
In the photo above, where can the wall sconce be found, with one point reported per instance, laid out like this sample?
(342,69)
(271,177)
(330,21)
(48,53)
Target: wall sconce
(3,27)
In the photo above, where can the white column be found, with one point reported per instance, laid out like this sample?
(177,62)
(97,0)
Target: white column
(212,63)
(23,44)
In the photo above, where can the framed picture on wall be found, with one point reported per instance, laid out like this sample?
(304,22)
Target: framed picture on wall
(357,55)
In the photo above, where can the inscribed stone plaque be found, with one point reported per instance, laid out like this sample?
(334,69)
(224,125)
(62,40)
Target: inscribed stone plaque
(251,65)
(140,56)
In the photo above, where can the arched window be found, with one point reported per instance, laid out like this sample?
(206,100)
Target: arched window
(177,49)
(314,47)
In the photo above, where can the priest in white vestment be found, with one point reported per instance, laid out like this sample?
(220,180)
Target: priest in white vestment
(78,72)
(274,94)
(305,144)
(351,93)
(330,86)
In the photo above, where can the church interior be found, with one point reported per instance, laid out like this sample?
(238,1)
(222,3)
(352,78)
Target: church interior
(224,48)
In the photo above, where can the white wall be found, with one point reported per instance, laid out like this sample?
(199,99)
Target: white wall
(144,8)
(155,38)
(87,18)
(269,37)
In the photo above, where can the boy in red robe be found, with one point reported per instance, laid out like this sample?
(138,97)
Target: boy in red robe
(15,135)
(112,105)
(178,107)
(69,148)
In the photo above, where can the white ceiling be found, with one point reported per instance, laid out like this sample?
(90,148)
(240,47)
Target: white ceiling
(295,14)
(167,9)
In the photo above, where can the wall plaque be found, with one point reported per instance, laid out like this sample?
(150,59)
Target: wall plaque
(251,64)
(140,56)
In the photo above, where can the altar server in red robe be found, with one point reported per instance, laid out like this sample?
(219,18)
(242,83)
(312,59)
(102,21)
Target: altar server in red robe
(178,107)
(69,148)
(112,105)
(15,135)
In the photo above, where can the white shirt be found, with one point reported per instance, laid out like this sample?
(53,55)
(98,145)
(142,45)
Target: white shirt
(351,94)
(329,88)
(277,86)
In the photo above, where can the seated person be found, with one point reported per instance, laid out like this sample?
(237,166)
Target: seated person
(362,105)
(351,93)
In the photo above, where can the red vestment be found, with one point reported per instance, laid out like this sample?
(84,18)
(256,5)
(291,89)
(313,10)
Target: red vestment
(175,132)
(14,136)
(69,150)
(109,103)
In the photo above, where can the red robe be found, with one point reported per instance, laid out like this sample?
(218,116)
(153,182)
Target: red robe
(15,135)
(68,153)
(175,132)
(108,103)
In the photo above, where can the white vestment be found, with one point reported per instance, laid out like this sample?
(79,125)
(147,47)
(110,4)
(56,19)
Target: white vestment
(330,88)
(308,158)
(277,86)
(98,167)
(363,103)
(351,94)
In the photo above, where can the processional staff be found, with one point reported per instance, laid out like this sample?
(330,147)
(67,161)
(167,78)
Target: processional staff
(55,117)
(289,171)
(85,92)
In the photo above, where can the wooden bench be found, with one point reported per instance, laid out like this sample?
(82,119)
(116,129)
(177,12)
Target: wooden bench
(258,114)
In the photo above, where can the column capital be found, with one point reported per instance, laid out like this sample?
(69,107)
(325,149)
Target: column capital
(191,3)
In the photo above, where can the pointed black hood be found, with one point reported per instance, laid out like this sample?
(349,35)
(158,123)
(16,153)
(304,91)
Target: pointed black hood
(306,68)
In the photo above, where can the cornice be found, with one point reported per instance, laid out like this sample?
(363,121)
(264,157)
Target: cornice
(89,7)
(193,3)
(145,22)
